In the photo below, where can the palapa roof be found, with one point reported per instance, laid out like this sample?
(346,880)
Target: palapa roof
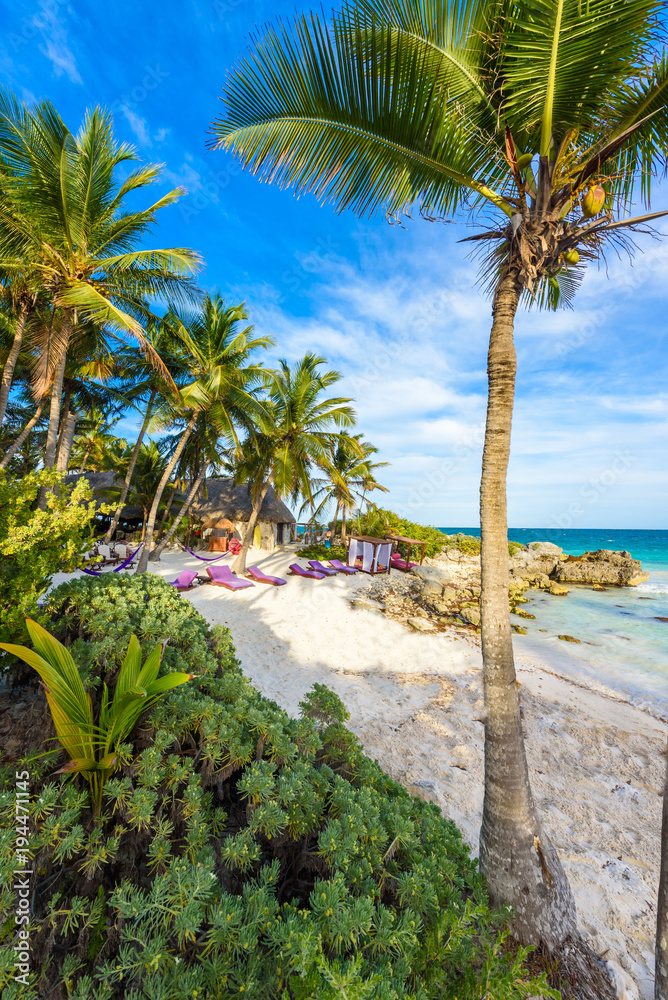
(100,481)
(224,499)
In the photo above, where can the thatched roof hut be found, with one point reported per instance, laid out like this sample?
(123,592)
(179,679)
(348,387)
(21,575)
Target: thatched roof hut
(224,499)
(101,481)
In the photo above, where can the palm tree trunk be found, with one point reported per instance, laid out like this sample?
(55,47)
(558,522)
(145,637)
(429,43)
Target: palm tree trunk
(661,950)
(23,435)
(181,514)
(517,859)
(12,358)
(239,565)
(336,519)
(66,441)
(131,468)
(84,461)
(171,465)
(56,395)
(344,536)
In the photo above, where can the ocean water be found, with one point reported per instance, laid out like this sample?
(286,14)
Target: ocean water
(623,645)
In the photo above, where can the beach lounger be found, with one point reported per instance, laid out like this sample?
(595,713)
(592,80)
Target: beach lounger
(341,567)
(261,577)
(319,568)
(222,576)
(312,574)
(185,580)
(398,562)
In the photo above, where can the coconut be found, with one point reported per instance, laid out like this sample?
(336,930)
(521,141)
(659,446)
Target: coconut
(593,201)
(524,160)
(571,256)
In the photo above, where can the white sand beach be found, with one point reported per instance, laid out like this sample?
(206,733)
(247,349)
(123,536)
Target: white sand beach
(415,701)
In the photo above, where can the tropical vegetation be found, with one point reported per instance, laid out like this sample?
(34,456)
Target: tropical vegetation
(237,850)
(541,121)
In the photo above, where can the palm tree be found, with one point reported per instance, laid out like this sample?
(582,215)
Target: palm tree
(146,385)
(63,211)
(548,116)
(204,453)
(94,438)
(224,382)
(349,477)
(293,435)
(149,470)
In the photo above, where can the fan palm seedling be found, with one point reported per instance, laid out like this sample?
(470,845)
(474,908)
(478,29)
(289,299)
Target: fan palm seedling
(541,120)
(93,748)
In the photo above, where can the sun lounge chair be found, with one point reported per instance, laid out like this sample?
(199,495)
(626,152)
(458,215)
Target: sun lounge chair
(319,568)
(341,567)
(185,580)
(298,570)
(222,576)
(261,577)
(398,562)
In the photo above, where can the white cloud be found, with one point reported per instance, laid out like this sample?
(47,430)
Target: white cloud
(138,125)
(56,47)
(412,345)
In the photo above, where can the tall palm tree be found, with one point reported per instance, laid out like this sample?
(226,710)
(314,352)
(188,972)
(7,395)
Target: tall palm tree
(548,116)
(94,438)
(223,382)
(149,470)
(349,476)
(147,386)
(205,452)
(293,435)
(63,210)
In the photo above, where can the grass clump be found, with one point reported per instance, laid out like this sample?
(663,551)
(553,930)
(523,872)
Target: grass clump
(238,851)
(320,551)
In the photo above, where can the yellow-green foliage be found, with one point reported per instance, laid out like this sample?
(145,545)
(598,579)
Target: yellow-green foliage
(35,544)
(242,852)
(94,750)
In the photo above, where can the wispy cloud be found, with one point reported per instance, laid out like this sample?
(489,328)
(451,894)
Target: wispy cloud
(138,125)
(56,47)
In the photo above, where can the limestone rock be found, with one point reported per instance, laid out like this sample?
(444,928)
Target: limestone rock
(568,638)
(366,604)
(420,624)
(558,589)
(471,615)
(440,575)
(538,559)
(603,566)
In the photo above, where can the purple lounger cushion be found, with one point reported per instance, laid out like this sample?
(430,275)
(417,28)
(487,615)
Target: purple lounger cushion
(261,577)
(341,567)
(319,568)
(310,573)
(222,576)
(185,580)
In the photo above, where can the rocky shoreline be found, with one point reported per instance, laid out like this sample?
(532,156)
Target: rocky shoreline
(445,591)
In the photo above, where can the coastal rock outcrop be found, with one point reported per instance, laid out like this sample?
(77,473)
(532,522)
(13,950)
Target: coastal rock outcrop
(538,559)
(602,566)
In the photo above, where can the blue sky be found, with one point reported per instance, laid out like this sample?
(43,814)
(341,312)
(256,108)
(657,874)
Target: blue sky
(395,308)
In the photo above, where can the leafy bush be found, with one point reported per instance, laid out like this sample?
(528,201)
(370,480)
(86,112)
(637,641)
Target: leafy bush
(241,851)
(35,544)
(321,552)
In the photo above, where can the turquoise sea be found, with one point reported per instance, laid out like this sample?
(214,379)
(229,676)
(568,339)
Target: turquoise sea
(623,646)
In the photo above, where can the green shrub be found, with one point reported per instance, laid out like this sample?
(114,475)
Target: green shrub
(35,544)
(241,852)
(319,551)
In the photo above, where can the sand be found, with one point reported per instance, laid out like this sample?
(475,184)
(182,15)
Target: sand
(415,701)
